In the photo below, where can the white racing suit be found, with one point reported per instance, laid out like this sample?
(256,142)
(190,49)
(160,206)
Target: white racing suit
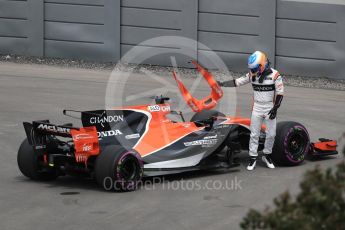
(264,98)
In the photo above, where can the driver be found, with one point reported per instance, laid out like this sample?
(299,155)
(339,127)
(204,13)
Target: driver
(268,94)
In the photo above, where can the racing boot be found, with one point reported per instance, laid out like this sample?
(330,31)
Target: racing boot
(267,159)
(252,163)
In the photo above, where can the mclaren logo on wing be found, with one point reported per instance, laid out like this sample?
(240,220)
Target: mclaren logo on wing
(53,128)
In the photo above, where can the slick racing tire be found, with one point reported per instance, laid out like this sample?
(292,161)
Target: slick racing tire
(204,115)
(291,145)
(118,169)
(29,164)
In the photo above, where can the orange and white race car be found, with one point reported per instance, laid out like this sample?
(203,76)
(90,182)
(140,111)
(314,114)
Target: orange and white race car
(120,146)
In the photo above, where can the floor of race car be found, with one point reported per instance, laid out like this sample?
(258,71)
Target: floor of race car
(195,200)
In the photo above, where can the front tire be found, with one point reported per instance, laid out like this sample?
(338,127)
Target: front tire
(118,169)
(291,145)
(29,164)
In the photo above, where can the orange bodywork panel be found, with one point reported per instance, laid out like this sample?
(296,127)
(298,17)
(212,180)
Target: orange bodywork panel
(162,135)
(161,131)
(329,145)
(85,143)
(206,103)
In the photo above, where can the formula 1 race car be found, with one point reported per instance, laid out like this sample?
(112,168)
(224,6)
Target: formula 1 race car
(120,146)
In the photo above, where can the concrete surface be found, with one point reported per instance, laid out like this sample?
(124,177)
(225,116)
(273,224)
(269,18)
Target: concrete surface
(31,92)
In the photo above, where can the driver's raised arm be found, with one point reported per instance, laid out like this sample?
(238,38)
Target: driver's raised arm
(235,82)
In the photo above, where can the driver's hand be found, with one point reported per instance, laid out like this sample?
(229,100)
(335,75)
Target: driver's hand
(252,74)
(273,113)
(220,83)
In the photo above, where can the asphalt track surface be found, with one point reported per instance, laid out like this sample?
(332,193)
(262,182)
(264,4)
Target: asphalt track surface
(32,92)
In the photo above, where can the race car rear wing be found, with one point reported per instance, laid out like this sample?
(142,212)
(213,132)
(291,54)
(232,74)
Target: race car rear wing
(85,139)
(43,127)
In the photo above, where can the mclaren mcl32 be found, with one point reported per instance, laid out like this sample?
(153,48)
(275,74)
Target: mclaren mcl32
(119,147)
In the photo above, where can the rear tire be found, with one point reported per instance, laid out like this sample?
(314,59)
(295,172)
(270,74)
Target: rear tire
(291,145)
(118,169)
(28,163)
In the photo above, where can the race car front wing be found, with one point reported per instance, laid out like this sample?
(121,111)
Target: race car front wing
(324,147)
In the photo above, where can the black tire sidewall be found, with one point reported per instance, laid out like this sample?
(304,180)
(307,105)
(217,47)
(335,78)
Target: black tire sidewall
(107,169)
(121,183)
(28,163)
(281,154)
(26,159)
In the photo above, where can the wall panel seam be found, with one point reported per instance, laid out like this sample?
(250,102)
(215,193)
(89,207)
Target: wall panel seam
(11,36)
(65,40)
(307,39)
(149,8)
(229,14)
(223,51)
(309,58)
(306,20)
(74,4)
(151,27)
(9,18)
(150,46)
(230,33)
(81,23)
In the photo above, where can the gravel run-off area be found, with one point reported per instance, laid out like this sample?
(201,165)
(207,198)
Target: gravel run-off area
(298,81)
